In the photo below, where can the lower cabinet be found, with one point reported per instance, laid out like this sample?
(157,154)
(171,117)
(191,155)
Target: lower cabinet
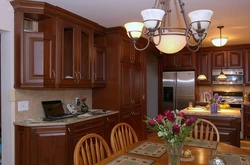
(246,116)
(228,127)
(52,145)
(133,118)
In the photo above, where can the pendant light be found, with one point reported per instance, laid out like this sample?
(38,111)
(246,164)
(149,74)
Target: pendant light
(202,77)
(219,41)
(222,76)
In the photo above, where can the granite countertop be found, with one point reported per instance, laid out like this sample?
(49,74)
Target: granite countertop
(230,112)
(246,102)
(61,122)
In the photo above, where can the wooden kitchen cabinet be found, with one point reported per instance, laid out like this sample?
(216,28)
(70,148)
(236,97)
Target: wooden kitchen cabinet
(125,87)
(99,67)
(75,49)
(35,44)
(133,118)
(184,60)
(54,48)
(52,145)
(247,67)
(40,145)
(228,127)
(227,59)
(246,119)
(204,67)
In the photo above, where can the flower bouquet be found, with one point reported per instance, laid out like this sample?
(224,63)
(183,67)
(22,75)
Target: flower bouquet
(84,107)
(174,128)
(213,102)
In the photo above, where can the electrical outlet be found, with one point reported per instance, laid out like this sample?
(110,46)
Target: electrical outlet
(23,105)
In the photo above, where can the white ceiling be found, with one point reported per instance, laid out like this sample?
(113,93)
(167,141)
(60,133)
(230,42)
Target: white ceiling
(233,14)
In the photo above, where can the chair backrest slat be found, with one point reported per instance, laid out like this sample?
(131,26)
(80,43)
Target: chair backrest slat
(122,135)
(91,149)
(205,130)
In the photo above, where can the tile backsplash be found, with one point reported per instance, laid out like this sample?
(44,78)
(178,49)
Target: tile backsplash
(34,97)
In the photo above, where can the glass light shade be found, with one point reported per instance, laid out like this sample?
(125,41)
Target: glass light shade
(171,42)
(219,41)
(222,76)
(134,29)
(152,17)
(200,15)
(202,77)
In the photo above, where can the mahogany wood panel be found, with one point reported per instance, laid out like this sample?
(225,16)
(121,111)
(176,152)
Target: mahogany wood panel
(204,67)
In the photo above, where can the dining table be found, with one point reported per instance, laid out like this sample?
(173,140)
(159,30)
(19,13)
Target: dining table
(153,151)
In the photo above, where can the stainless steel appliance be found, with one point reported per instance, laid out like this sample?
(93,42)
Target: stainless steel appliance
(235,100)
(234,76)
(178,89)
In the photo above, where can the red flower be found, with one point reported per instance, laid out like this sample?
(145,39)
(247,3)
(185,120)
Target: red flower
(158,118)
(176,129)
(84,99)
(169,115)
(151,123)
(190,121)
(182,115)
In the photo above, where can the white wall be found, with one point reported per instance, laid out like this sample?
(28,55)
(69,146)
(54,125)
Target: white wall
(152,86)
(7,76)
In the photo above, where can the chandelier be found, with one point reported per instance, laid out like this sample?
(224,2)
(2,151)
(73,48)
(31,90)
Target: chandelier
(166,38)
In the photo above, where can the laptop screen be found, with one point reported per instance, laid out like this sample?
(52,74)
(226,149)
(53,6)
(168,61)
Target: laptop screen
(53,108)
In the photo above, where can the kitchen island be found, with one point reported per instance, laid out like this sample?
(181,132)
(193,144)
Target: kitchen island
(53,142)
(227,121)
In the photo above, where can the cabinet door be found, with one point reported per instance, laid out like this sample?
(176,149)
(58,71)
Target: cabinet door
(110,122)
(47,145)
(68,52)
(246,118)
(127,50)
(169,62)
(219,60)
(235,59)
(247,67)
(99,67)
(204,67)
(126,86)
(136,87)
(134,119)
(186,60)
(33,60)
(84,56)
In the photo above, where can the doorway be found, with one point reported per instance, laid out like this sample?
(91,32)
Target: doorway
(152,85)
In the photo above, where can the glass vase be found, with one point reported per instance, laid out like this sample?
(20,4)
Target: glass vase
(174,152)
(84,108)
(214,108)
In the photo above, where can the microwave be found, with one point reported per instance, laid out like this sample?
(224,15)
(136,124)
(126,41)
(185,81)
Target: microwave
(234,76)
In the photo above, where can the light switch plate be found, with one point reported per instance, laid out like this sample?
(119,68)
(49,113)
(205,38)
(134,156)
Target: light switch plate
(23,105)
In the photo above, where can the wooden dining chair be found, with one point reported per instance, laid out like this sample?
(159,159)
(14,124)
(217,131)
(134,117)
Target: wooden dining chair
(122,135)
(205,130)
(91,149)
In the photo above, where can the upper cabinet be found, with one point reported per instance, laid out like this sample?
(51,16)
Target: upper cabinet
(56,48)
(204,67)
(247,66)
(228,59)
(184,60)
(75,50)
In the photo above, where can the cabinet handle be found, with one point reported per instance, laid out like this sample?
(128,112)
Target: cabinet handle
(88,125)
(131,101)
(54,73)
(94,76)
(76,79)
(69,133)
(107,119)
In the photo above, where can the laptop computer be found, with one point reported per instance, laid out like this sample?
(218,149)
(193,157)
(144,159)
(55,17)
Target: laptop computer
(53,110)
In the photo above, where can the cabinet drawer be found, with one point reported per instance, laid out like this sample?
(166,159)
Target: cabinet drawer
(87,125)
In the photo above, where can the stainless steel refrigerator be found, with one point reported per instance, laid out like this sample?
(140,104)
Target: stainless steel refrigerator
(178,89)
